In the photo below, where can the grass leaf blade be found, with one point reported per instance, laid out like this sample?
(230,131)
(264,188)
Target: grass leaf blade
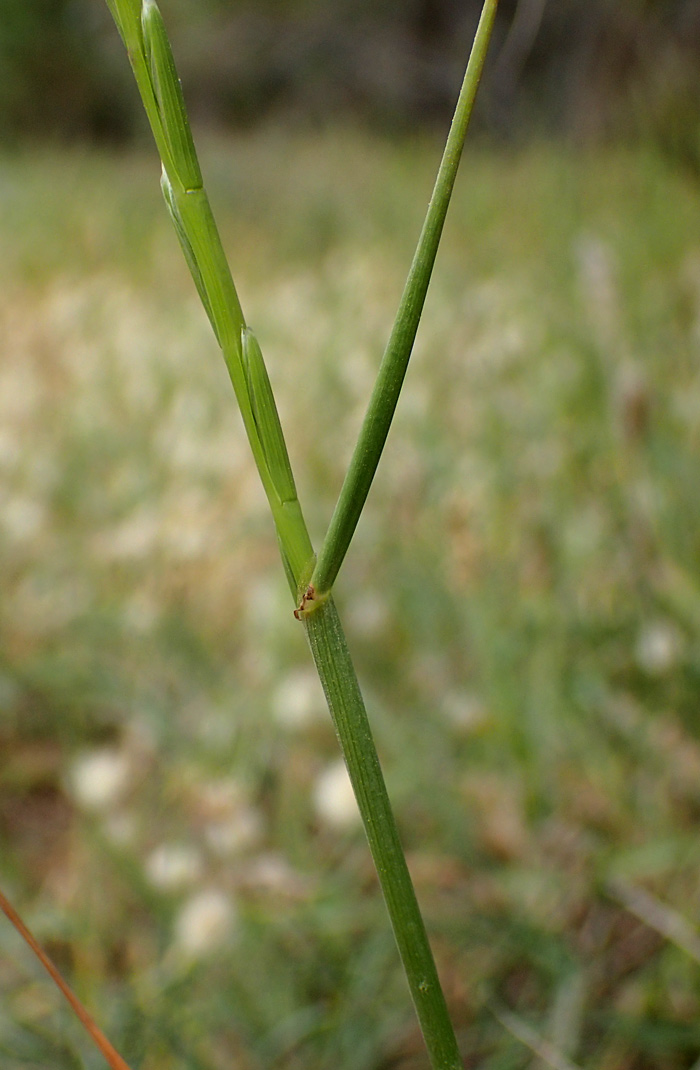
(385,394)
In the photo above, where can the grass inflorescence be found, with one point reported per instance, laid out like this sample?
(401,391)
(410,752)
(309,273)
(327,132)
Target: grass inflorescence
(143,32)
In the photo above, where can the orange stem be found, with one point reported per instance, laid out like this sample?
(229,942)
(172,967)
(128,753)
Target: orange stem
(110,1053)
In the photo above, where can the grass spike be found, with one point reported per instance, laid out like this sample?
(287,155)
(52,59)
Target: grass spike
(267,418)
(127,16)
(171,103)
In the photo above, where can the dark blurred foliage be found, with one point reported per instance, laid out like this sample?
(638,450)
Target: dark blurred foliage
(588,67)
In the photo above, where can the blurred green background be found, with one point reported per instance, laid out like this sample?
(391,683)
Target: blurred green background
(523,598)
(588,68)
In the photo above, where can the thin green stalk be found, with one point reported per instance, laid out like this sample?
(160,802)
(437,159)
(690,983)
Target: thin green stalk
(337,674)
(385,395)
(149,52)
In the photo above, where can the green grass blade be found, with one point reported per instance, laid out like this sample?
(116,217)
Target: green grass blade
(385,394)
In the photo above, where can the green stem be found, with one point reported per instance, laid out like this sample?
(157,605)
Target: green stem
(385,395)
(337,673)
(144,34)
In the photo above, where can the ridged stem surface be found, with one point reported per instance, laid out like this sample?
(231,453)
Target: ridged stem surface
(337,674)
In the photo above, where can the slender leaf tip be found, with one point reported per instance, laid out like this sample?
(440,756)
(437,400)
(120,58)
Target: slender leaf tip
(171,103)
(127,16)
(385,395)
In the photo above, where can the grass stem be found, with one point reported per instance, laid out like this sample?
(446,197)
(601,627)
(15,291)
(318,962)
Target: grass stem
(337,674)
(187,201)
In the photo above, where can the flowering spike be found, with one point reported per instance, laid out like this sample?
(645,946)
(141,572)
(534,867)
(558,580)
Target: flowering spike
(127,16)
(267,420)
(171,103)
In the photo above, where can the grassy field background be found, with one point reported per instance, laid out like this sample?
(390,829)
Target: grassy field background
(523,599)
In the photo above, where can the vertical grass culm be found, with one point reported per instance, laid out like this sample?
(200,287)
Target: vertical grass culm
(311,580)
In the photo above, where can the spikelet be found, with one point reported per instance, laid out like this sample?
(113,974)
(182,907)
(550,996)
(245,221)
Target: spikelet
(127,16)
(183,162)
(262,403)
(188,251)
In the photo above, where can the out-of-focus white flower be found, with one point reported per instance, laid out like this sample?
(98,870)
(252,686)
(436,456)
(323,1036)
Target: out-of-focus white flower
(99,778)
(204,922)
(334,799)
(658,648)
(23,517)
(368,615)
(218,799)
(228,820)
(464,711)
(271,872)
(173,865)
(134,538)
(234,833)
(298,699)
